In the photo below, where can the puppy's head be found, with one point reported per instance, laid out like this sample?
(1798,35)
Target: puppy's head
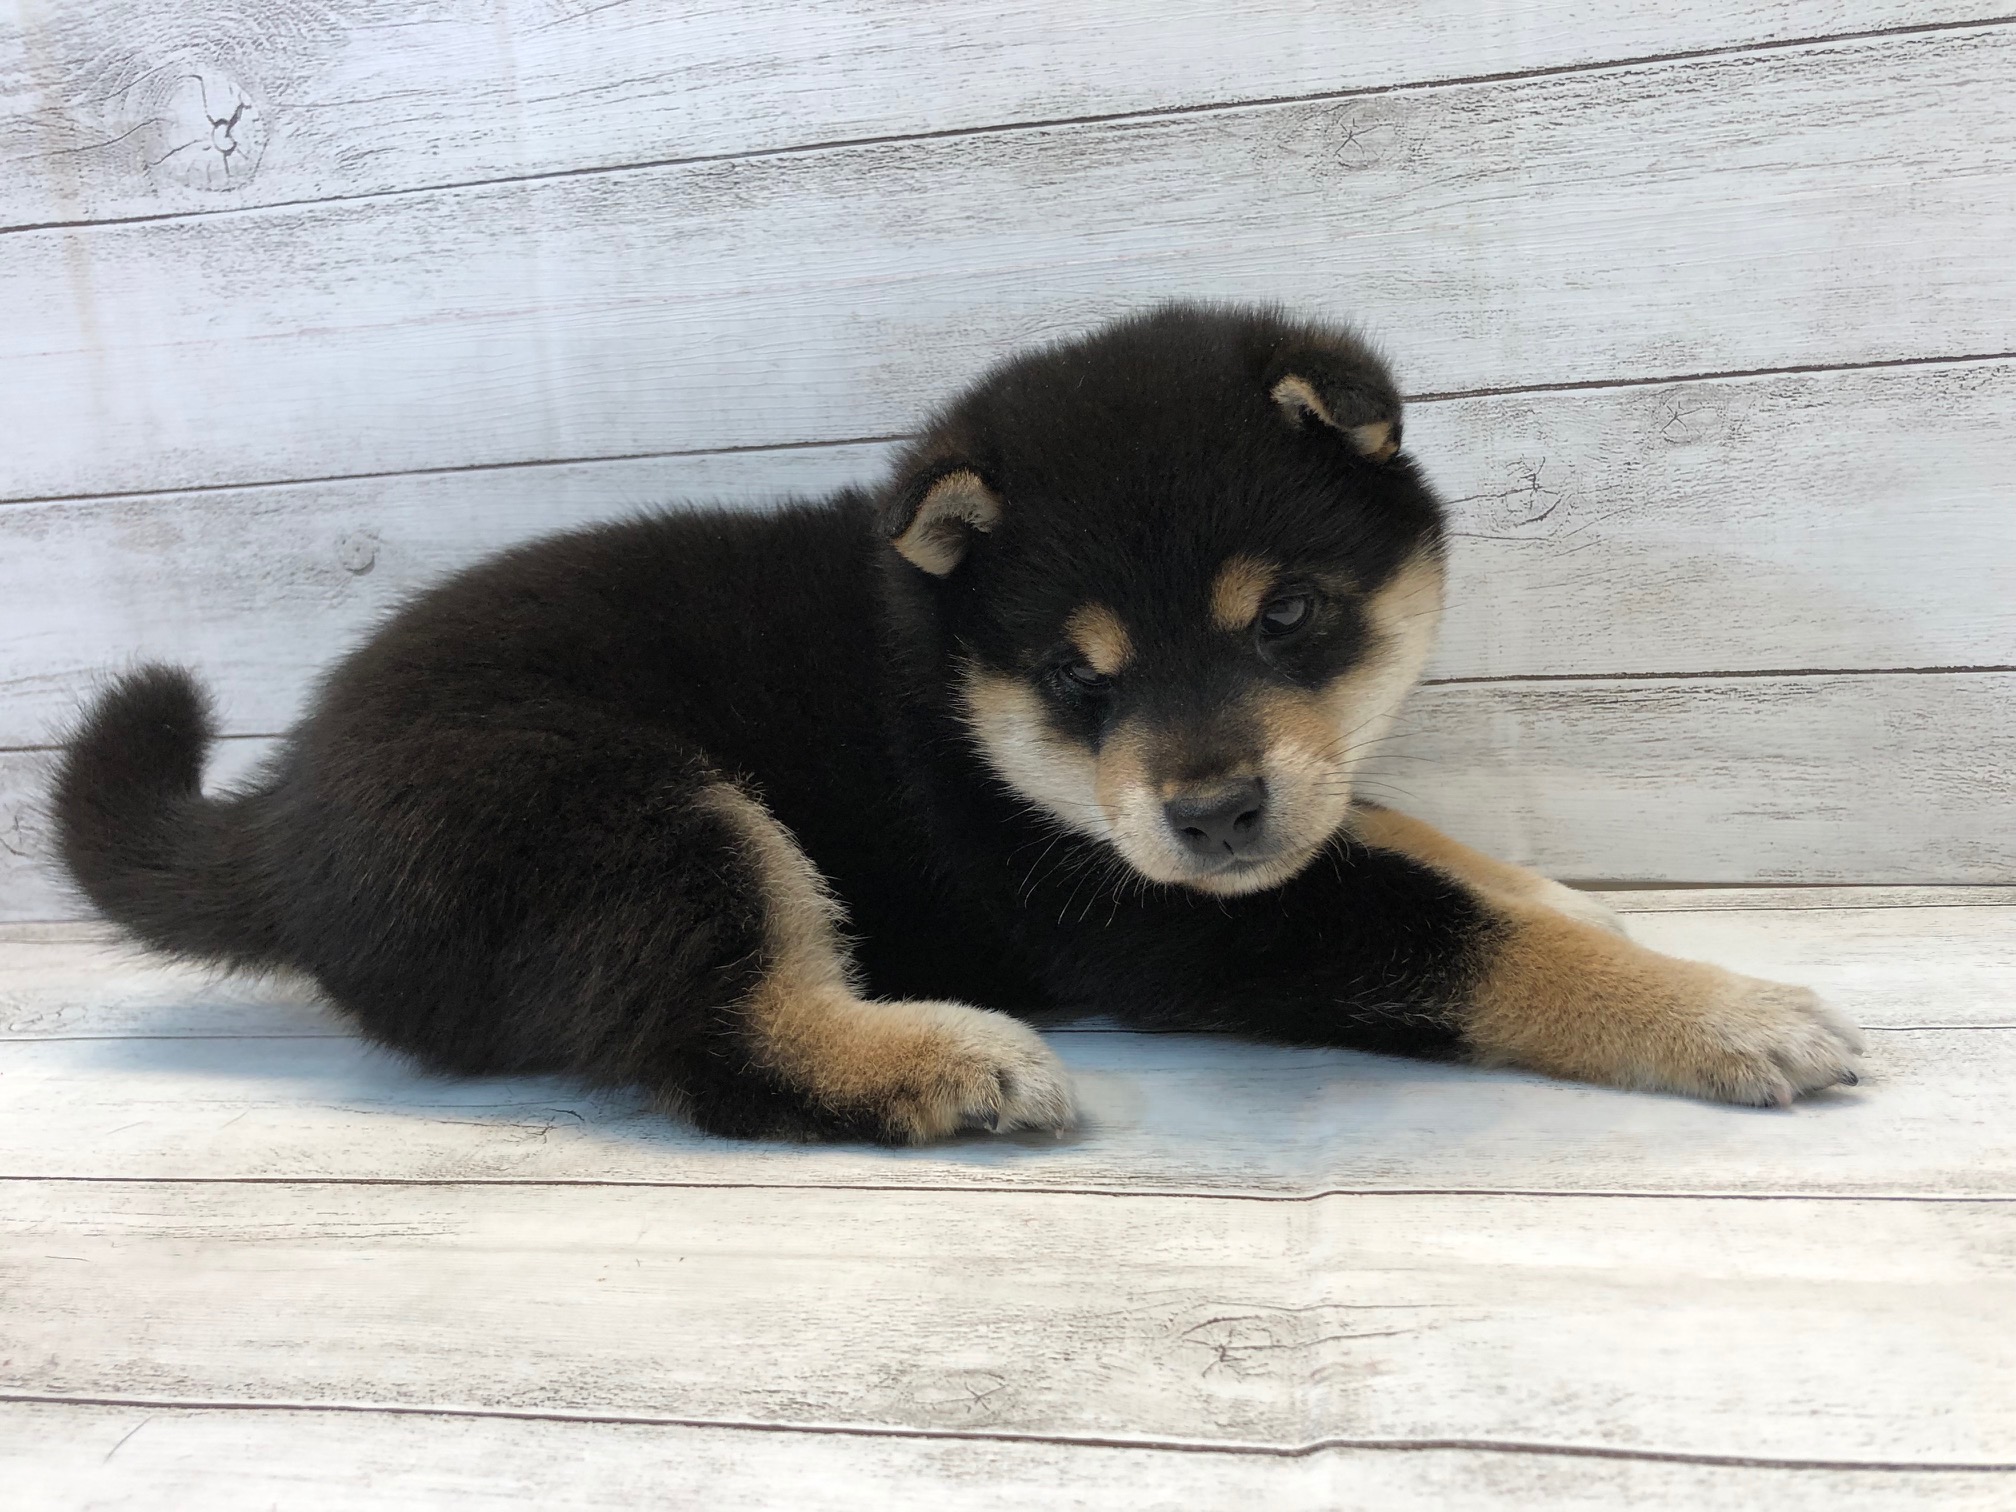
(1181,578)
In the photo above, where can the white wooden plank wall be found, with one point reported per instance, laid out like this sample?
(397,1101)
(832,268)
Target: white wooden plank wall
(1706,308)
(1709,322)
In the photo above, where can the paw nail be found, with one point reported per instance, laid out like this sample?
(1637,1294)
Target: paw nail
(1848,1079)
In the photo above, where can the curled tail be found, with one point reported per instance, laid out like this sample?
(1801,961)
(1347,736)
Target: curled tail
(139,838)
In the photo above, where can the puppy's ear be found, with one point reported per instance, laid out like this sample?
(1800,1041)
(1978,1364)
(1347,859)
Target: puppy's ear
(1339,383)
(935,521)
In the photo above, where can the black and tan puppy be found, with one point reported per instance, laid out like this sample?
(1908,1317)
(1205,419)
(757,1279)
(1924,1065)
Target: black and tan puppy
(749,808)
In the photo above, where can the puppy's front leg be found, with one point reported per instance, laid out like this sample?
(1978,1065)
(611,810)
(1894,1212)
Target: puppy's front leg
(1389,829)
(1570,999)
(1558,990)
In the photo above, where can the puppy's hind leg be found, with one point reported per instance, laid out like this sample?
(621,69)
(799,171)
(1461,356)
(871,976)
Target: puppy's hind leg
(546,890)
(900,1072)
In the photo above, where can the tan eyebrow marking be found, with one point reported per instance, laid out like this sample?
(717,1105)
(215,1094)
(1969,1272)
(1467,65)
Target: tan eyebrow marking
(1238,592)
(1100,638)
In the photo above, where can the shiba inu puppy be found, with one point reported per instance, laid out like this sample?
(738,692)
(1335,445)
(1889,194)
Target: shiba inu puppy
(783,815)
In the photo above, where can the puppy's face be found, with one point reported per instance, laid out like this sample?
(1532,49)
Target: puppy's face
(1182,581)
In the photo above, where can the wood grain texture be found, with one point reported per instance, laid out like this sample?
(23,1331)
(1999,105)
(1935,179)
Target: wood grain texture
(118,103)
(100,987)
(1822,1330)
(30,885)
(1736,780)
(251,1461)
(1691,216)
(259,589)
(1798,779)
(1903,958)
(1817,520)
(1634,900)
(1605,531)
(1882,966)
(1163,1113)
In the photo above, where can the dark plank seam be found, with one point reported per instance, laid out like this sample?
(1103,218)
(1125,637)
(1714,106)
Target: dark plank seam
(1009,1436)
(1460,682)
(1007,128)
(1434,397)
(1019,1190)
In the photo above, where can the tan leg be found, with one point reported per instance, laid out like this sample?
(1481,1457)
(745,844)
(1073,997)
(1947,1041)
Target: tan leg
(1561,992)
(1387,829)
(917,1070)
(1562,997)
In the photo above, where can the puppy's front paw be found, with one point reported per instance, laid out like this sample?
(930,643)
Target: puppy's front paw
(1561,997)
(972,1068)
(1761,1043)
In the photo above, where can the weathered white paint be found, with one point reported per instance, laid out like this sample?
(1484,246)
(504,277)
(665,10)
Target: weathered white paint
(1896,958)
(1815,520)
(1882,966)
(1605,531)
(1900,778)
(57,984)
(258,589)
(63,1455)
(1658,900)
(1832,1330)
(1728,212)
(1897,778)
(118,102)
(1162,1113)
(1822,1330)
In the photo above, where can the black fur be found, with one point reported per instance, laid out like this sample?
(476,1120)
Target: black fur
(483,840)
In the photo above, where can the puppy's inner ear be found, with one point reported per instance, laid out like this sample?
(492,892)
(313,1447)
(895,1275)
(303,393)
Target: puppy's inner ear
(1374,435)
(943,524)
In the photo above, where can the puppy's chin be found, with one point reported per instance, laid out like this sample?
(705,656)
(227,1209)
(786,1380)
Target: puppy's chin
(1233,879)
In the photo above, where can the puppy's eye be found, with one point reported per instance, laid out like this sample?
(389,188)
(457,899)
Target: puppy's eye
(1286,615)
(1080,675)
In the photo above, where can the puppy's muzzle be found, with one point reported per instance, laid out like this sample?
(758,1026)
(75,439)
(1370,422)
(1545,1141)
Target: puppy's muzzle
(1220,821)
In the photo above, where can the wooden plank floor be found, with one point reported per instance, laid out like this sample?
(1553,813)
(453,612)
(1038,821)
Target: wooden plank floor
(248,1261)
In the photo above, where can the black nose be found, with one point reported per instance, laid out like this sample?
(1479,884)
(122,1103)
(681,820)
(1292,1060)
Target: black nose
(1218,821)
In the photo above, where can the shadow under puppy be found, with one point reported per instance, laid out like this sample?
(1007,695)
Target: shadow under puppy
(749,808)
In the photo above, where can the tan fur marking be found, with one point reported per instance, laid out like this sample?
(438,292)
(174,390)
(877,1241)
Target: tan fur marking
(1015,738)
(1238,592)
(1384,829)
(1298,398)
(923,1069)
(1100,638)
(1404,615)
(1313,744)
(1375,439)
(1127,793)
(802,923)
(1568,999)
(936,538)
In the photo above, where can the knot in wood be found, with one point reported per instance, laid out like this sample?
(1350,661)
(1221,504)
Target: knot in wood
(209,132)
(358,552)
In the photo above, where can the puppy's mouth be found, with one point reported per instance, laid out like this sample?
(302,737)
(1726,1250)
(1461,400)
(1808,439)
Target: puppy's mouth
(1238,876)
(1227,838)
(1249,825)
